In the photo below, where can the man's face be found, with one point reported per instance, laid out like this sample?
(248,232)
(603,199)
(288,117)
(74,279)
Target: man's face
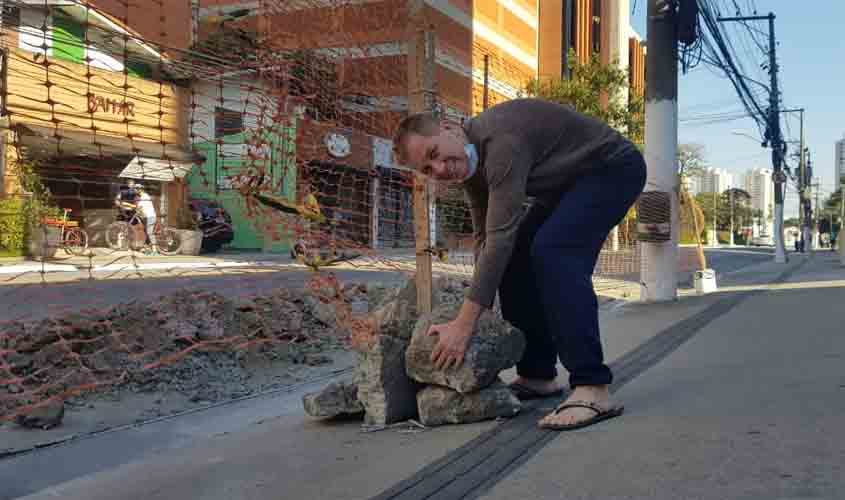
(440,157)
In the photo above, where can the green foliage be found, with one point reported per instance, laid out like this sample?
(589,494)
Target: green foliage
(19,216)
(12,226)
(743,215)
(594,89)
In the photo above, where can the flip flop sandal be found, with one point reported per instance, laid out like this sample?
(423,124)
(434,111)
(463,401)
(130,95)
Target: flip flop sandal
(525,393)
(601,414)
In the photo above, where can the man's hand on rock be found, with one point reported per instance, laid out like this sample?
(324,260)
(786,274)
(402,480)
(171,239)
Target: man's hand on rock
(452,341)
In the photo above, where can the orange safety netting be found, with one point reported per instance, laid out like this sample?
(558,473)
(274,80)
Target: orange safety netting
(273,118)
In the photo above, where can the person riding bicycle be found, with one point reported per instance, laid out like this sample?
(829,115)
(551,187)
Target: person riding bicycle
(136,200)
(126,201)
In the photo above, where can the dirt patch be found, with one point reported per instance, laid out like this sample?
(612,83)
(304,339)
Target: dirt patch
(143,360)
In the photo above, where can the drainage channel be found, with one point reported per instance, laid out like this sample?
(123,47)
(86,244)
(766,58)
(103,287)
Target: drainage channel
(477,466)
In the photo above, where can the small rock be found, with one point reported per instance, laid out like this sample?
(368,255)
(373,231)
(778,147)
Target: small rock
(337,398)
(324,312)
(440,405)
(43,417)
(317,360)
(495,346)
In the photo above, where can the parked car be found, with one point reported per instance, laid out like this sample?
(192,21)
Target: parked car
(761,241)
(214,222)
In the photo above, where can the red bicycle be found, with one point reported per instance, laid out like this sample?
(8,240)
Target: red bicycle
(72,238)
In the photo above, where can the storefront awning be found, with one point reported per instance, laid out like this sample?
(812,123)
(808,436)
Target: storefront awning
(43,141)
(150,169)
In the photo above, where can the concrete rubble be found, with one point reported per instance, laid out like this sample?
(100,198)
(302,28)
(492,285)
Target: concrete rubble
(441,405)
(199,344)
(397,382)
(335,400)
(495,347)
(44,417)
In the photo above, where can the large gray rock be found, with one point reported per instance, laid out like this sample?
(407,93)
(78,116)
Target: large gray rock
(395,311)
(336,399)
(384,389)
(495,346)
(440,405)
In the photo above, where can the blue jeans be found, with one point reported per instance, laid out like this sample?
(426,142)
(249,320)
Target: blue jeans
(547,290)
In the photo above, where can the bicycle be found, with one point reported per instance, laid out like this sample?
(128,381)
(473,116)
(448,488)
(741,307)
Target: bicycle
(73,239)
(120,235)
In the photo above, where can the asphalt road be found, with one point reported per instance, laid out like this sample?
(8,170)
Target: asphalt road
(31,301)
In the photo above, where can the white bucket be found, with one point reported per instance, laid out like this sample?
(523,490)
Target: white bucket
(705,281)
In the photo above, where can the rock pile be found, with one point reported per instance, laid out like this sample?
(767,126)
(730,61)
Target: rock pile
(396,380)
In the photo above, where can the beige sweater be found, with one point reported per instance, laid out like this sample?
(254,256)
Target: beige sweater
(526,148)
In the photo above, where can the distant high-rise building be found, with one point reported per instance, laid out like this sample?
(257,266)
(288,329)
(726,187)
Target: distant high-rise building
(839,163)
(758,183)
(715,180)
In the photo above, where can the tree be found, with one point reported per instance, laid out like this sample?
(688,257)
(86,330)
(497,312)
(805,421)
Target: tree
(691,162)
(595,89)
(738,199)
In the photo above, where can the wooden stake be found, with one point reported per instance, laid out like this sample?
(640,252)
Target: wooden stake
(420,90)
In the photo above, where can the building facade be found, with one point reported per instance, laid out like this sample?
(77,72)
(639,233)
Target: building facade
(486,51)
(90,102)
(839,162)
(590,27)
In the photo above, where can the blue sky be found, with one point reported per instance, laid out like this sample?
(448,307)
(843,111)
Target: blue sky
(812,64)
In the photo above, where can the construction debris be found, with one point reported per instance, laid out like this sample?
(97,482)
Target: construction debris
(395,366)
(441,405)
(335,400)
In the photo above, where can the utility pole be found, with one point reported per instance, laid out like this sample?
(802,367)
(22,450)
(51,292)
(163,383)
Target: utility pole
(421,92)
(841,218)
(773,135)
(802,186)
(659,266)
(731,195)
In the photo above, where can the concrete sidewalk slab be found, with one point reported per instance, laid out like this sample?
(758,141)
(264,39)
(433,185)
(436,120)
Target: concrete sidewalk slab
(750,407)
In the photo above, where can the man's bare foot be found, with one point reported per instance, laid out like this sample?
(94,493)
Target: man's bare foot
(598,395)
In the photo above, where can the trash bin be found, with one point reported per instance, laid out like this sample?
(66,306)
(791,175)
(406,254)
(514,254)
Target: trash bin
(705,281)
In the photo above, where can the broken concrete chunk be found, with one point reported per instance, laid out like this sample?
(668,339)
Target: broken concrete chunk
(336,399)
(441,405)
(495,346)
(384,389)
(43,417)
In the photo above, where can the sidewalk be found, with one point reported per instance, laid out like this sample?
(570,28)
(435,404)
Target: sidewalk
(737,394)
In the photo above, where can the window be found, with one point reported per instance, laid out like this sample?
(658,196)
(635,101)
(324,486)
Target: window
(227,122)
(570,34)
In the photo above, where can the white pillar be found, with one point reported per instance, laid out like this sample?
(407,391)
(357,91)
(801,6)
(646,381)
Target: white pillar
(614,239)
(659,267)
(780,247)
